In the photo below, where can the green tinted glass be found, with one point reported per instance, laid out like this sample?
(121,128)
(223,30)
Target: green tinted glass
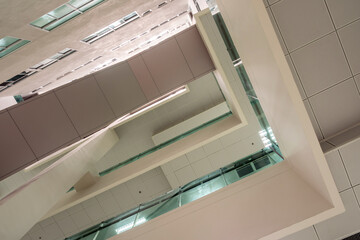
(90,5)
(6,41)
(13,48)
(78,3)
(62,20)
(61,11)
(42,21)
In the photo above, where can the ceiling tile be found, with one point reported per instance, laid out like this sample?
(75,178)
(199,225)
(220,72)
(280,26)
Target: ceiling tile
(179,162)
(321,64)
(202,167)
(123,197)
(296,77)
(44,124)
(307,233)
(313,120)
(344,11)
(343,224)
(337,170)
(85,104)
(296,20)
(185,175)
(357,81)
(213,147)
(95,213)
(173,181)
(67,225)
(81,219)
(277,31)
(196,155)
(273,1)
(337,108)
(53,232)
(350,154)
(350,38)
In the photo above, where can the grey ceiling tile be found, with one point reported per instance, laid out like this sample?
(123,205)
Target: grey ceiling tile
(350,38)
(277,31)
(296,77)
(357,81)
(301,22)
(11,141)
(308,234)
(86,105)
(321,64)
(338,170)
(344,11)
(313,120)
(337,108)
(343,224)
(44,124)
(350,154)
(272,1)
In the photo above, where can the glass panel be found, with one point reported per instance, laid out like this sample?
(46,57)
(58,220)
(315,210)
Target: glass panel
(42,21)
(90,5)
(202,190)
(116,228)
(6,41)
(61,11)
(62,20)
(157,210)
(78,3)
(13,48)
(2,48)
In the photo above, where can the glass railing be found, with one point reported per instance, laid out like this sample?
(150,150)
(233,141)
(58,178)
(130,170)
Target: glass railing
(181,196)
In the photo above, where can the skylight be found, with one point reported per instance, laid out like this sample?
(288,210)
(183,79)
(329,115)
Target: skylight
(64,13)
(36,68)
(111,28)
(10,44)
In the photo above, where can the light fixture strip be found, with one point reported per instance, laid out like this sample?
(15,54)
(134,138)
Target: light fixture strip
(111,27)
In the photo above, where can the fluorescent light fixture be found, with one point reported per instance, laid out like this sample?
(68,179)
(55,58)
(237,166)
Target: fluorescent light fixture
(265,135)
(35,68)
(111,28)
(64,13)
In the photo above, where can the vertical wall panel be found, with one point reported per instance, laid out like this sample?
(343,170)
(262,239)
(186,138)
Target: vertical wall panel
(195,52)
(15,153)
(144,78)
(121,88)
(44,124)
(167,65)
(86,105)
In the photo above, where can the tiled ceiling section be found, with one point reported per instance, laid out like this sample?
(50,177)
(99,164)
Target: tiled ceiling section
(344,165)
(320,39)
